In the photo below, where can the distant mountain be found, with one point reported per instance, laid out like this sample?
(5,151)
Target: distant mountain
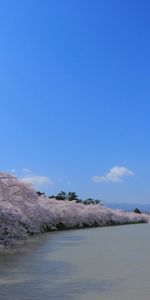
(144,207)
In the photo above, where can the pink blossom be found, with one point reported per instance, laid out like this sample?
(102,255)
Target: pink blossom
(23,213)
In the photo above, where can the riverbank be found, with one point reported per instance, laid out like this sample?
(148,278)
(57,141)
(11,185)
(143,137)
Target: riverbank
(23,213)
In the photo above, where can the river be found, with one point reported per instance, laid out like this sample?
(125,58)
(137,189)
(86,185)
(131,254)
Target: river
(107,263)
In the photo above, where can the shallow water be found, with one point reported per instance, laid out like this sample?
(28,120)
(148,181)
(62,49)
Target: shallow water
(109,263)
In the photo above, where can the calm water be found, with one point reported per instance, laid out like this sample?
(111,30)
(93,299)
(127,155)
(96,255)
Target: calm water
(111,263)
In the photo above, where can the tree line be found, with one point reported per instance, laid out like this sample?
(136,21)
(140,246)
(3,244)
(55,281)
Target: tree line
(71,196)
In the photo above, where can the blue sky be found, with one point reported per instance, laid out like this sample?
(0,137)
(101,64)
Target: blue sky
(75,96)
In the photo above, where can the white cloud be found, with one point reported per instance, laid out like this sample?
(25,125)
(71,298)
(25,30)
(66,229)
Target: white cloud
(115,174)
(27,176)
(39,181)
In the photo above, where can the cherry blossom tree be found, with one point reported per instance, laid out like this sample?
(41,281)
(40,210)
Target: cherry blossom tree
(24,213)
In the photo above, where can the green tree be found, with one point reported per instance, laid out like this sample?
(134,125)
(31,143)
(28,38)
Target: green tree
(61,196)
(137,211)
(88,201)
(72,196)
(40,193)
(78,201)
(92,201)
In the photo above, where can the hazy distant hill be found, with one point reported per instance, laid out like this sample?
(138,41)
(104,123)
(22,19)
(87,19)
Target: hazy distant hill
(145,207)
